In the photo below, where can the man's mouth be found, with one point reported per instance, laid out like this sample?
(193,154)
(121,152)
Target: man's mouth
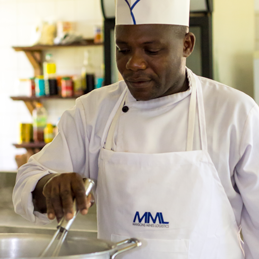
(138,83)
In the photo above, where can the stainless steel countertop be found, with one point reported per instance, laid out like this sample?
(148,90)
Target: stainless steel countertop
(82,223)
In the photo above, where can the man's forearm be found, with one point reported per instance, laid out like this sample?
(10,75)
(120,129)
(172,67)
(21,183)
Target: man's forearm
(39,200)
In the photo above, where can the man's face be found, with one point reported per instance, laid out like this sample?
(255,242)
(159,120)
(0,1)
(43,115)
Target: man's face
(150,59)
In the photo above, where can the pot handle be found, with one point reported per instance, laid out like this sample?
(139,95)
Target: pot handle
(134,243)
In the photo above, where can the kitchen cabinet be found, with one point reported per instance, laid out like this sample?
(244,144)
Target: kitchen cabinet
(35,56)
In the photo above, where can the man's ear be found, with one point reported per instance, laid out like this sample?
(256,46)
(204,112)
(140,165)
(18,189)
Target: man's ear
(188,44)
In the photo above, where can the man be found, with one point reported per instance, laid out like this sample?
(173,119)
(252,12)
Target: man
(175,156)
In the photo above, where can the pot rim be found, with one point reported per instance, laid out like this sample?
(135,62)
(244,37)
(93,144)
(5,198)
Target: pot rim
(113,250)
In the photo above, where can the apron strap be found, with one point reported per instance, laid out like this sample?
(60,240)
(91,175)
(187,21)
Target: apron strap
(111,117)
(191,119)
(110,136)
(201,113)
(196,97)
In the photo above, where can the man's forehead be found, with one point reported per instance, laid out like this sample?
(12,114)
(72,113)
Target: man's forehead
(135,35)
(147,30)
(144,27)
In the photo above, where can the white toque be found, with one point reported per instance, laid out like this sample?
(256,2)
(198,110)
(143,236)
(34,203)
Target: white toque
(129,12)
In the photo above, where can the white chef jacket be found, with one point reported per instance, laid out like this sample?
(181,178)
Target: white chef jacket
(157,126)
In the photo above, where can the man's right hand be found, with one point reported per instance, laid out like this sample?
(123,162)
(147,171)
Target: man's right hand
(58,193)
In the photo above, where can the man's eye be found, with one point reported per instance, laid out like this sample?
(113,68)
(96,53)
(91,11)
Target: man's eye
(152,52)
(123,51)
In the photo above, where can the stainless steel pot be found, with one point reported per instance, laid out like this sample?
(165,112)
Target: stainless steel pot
(19,245)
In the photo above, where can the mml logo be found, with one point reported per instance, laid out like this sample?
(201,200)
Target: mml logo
(147,217)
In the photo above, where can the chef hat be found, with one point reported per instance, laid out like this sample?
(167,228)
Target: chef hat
(174,12)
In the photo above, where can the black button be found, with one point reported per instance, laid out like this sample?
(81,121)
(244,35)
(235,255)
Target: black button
(125,109)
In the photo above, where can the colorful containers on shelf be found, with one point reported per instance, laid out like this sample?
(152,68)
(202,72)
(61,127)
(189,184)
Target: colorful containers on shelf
(77,85)
(25,135)
(32,86)
(66,87)
(39,86)
(48,133)
(39,116)
(51,86)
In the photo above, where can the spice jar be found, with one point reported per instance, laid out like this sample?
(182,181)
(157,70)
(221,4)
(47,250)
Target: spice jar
(66,87)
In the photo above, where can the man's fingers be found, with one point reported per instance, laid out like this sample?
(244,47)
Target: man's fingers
(61,191)
(56,202)
(52,193)
(80,197)
(67,200)
(90,200)
(50,209)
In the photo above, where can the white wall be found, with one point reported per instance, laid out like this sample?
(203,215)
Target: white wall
(233,43)
(256,5)
(17,19)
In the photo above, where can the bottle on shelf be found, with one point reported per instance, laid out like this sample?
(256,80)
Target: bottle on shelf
(49,67)
(39,86)
(97,34)
(39,116)
(48,133)
(25,135)
(77,84)
(32,86)
(59,79)
(88,74)
(49,73)
(67,87)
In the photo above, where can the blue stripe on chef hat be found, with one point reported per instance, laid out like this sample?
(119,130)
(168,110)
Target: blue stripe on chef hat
(131,10)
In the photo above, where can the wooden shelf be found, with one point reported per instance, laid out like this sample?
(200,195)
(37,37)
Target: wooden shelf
(34,53)
(30,145)
(84,43)
(31,101)
(35,56)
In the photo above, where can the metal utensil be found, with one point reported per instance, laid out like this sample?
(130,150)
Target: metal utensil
(79,245)
(63,227)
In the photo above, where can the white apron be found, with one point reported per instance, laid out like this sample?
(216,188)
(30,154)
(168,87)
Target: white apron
(173,202)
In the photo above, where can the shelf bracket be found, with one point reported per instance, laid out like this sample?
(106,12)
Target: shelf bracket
(35,58)
(31,105)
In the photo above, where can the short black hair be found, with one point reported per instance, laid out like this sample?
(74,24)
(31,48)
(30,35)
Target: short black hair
(179,30)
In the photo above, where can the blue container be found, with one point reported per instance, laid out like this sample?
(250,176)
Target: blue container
(40,86)
(99,82)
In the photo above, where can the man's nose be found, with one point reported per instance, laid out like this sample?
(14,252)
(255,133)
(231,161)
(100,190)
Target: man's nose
(136,62)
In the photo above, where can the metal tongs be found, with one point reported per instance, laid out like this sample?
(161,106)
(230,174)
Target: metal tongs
(63,227)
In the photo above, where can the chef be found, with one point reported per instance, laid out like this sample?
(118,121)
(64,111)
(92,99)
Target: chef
(175,156)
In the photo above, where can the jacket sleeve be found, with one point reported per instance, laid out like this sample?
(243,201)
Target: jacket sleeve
(66,153)
(247,181)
